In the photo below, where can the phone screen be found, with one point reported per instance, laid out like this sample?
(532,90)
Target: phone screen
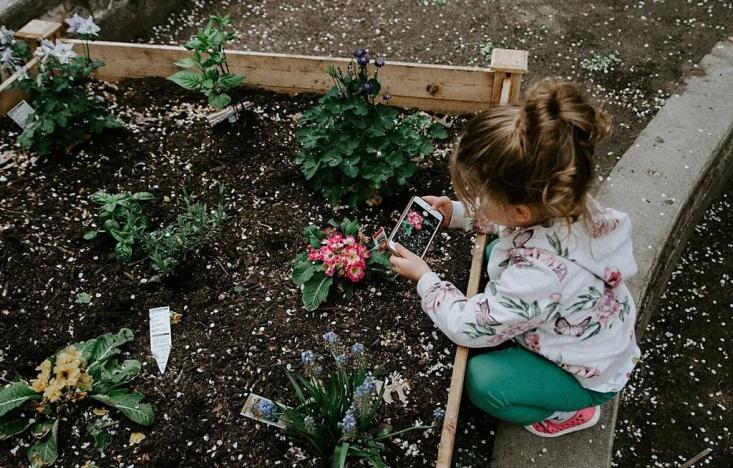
(416,228)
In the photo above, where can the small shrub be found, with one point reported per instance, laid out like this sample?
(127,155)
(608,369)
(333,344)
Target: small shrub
(352,148)
(123,218)
(169,246)
(340,253)
(64,111)
(81,371)
(337,414)
(601,63)
(207,71)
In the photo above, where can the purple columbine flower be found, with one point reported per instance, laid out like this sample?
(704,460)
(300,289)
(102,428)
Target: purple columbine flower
(379,62)
(74,22)
(360,52)
(7,36)
(363,60)
(438,414)
(386,96)
(367,87)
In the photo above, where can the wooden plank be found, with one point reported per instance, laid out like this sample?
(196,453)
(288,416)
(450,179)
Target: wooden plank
(38,29)
(509,60)
(431,87)
(450,422)
(497,87)
(9,97)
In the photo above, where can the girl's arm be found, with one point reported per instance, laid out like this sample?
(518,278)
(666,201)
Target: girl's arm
(522,299)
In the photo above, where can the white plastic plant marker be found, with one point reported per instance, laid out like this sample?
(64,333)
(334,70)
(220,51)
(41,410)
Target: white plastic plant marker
(160,335)
(20,113)
(250,410)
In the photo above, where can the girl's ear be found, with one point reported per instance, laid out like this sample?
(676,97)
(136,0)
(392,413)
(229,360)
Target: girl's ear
(523,214)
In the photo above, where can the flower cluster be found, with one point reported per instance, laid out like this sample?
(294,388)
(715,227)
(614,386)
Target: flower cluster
(13,54)
(60,51)
(82,27)
(336,254)
(68,373)
(341,255)
(415,220)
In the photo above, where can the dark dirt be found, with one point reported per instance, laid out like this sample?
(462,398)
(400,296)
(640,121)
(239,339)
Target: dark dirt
(227,344)
(678,402)
(659,42)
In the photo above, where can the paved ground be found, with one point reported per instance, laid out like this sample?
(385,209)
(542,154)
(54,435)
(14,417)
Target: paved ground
(679,401)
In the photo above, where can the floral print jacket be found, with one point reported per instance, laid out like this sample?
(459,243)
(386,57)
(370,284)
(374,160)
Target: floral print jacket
(558,290)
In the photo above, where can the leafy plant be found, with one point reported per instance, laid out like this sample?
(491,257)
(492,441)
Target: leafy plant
(13,54)
(601,63)
(81,371)
(122,216)
(64,113)
(352,148)
(207,71)
(338,252)
(168,246)
(337,414)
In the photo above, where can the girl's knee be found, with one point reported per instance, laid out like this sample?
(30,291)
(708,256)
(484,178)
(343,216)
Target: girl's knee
(484,383)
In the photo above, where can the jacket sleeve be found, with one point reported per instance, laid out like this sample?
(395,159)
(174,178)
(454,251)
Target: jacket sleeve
(521,299)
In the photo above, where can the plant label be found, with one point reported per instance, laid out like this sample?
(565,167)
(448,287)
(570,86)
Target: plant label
(251,409)
(20,113)
(160,335)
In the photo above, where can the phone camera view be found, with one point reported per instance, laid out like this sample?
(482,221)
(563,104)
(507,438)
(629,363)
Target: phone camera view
(416,230)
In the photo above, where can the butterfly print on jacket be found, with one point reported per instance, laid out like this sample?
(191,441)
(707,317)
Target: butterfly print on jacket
(563,326)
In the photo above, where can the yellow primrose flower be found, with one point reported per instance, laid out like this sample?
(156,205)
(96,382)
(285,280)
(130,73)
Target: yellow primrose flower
(85,382)
(39,384)
(67,374)
(69,355)
(53,391)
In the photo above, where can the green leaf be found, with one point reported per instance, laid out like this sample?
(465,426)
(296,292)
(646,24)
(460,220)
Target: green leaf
(315,290)
(123,251)
(186,63)
(14,395)
(13,426)
(91,234)
(130,405)
(339,455)
(113,374)
(41,428)
(100,434)
(438,132)
(304,271)
(229,81)
(187,79)
(106,346)
(143,196)
(314,235)
(219,101)
(45,451)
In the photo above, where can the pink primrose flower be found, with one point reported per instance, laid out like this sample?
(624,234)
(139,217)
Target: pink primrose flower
(356,272)
(314,254)
(415,220)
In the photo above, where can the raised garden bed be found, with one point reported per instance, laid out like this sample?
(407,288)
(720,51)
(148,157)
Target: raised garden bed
(243,323)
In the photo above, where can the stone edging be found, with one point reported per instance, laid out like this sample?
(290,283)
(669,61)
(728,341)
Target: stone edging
(664,182)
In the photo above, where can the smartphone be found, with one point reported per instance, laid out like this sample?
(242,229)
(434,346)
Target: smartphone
(416,227)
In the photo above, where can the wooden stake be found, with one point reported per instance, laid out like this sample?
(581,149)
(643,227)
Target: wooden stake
(696,458)
(509,68)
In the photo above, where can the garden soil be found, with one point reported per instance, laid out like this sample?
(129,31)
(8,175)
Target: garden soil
(242,321)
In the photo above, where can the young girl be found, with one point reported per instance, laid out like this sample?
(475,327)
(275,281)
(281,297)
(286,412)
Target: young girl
(556,272)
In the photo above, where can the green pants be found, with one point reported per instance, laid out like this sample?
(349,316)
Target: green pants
(517,385)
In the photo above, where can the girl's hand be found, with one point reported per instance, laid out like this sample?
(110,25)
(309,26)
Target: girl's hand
(408,264)
(442,204)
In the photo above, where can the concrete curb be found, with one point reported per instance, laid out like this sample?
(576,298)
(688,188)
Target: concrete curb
(664,182)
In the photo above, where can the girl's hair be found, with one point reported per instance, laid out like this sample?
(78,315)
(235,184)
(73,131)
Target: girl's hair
(537,153)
